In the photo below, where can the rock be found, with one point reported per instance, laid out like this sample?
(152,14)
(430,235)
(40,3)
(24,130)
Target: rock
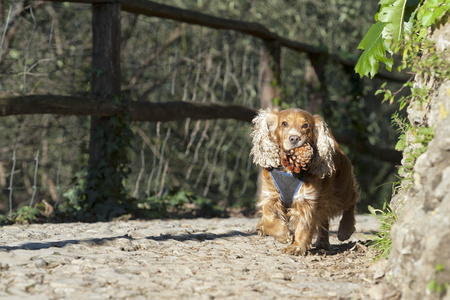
(379,269)
(419,263)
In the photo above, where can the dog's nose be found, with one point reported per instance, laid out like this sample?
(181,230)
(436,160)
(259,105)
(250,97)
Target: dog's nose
(294,139)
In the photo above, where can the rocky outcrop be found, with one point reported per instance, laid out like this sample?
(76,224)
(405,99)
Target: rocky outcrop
(419,263)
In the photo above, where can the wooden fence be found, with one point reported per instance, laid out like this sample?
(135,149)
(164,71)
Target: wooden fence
(106,86)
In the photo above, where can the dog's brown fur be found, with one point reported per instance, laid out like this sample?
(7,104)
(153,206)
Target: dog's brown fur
(329,188)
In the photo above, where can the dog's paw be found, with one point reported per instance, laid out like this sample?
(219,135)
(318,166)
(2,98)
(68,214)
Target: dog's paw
(344,233)
(322,244)
(260,230)
(284,239)
(295,250)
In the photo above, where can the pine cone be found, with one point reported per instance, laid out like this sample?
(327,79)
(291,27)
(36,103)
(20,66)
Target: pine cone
(298,159)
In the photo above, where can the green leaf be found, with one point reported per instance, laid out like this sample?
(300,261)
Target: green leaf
(401,143)
(432,11)
(412,3)
(371,210)
(393,20)
(392,12)
(379,92)
(432,285)
(14,54)
(374,51)
(402,105)
(427,18)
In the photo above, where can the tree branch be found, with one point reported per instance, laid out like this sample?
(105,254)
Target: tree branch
(153,9)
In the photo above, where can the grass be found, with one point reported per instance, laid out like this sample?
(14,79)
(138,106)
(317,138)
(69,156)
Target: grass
(381,244)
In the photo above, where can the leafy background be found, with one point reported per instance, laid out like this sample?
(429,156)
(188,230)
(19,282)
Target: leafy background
(162,60)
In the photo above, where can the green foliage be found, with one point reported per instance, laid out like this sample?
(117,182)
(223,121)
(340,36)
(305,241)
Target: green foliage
(99,193)
(387,35)
(420,58)
(23,215)
(182,61)
(398,16)
(374,51)
(417,144)
(382,243)
(436,286)
(392,20)
(432,11)
(398,30)
(422,135)
(403,127)
(72,204)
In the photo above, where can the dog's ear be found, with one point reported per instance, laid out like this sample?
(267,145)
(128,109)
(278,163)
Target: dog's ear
(265,149)
(323,164)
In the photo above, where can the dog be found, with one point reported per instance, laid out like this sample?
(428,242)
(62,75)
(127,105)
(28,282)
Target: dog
(297,206)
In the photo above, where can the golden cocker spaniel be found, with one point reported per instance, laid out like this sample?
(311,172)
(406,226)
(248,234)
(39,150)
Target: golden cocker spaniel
(301,196)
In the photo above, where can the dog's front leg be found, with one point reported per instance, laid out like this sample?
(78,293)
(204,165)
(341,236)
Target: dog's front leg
(273,222)
(302,215)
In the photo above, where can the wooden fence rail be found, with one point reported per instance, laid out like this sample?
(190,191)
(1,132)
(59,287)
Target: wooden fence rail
(149,8)
(105,85)
(138,110)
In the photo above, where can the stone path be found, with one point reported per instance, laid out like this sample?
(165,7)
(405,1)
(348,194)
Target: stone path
(176,259)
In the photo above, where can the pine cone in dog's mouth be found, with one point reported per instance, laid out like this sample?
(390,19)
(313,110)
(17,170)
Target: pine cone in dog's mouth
(298,159)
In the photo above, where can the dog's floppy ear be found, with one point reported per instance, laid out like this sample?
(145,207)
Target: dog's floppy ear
(323,164)
(265,149)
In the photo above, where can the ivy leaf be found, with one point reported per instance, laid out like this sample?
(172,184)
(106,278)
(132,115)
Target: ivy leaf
(374,51)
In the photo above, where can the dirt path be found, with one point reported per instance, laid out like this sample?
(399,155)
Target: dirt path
(175,259)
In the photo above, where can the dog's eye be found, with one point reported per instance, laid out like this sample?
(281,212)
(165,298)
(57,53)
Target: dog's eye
(284,124)
(305,126)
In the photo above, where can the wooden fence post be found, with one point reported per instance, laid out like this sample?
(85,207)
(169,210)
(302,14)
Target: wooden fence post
(105,82)
(270,83)
(319,95)
(104,188)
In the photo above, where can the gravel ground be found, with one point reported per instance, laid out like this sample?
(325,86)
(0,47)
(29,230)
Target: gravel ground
(177,259)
